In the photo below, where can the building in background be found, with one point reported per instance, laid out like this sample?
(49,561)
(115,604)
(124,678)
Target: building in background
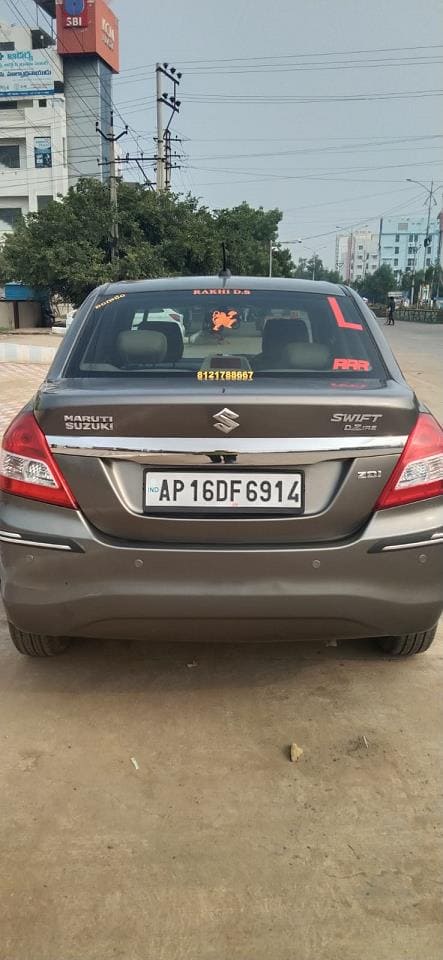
(33,135)
(402,244)
(356,254)
(342,260)
(55,84)
(88,43)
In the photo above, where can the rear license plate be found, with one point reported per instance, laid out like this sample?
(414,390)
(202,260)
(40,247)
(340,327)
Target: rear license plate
(174,490)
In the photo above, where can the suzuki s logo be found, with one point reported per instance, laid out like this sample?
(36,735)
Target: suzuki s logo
(225,420)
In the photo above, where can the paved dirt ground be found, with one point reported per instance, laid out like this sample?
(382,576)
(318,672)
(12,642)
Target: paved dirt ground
(217,847)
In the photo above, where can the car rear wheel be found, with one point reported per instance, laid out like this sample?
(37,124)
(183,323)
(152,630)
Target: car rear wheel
(36,644)
(409,644)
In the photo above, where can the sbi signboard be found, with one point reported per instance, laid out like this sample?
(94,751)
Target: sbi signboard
(75,14)
(86,27)
(25,73)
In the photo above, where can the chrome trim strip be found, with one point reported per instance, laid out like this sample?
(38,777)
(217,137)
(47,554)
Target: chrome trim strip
(107,446)
(436,538)
(17,540)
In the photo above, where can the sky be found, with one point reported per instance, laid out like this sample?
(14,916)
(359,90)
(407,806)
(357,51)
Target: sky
(263,116)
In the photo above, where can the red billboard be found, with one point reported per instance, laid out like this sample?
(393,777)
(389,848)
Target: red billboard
(88,27)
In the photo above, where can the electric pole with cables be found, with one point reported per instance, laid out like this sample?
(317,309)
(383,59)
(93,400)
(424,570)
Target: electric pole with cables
(165,156)
(112,139)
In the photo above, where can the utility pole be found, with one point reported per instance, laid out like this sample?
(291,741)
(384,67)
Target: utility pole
(314,266)
(113,191)
(112,139)
(350,255)
(168,159)
(428,239)
(164,139)
(160,176)
(431,199)
(413,276)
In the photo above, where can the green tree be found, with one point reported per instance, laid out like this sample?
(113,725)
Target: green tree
(376,286)
(65,249)
(432,277)
(248,233)
(307,269)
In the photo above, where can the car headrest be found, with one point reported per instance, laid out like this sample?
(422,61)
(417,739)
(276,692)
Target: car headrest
(173,333)
(306,356)
(142,346)
(278,331)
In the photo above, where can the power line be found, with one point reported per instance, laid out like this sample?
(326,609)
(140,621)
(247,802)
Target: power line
(347,149)
(232,70)
(291,56)
(361,222)
(319,175)
(265,99)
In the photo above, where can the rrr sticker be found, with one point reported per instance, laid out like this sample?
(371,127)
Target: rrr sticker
(349,363)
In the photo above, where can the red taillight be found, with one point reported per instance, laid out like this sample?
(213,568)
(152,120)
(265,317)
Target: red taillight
(27,467)
(419,472)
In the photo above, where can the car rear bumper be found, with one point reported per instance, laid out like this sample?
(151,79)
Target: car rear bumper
(99,588)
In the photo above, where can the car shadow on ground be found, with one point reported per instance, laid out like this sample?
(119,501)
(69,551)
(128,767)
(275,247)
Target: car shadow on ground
(122,666)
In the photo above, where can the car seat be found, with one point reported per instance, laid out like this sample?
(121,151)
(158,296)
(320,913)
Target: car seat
(278,332)
(137,348)
(173,333)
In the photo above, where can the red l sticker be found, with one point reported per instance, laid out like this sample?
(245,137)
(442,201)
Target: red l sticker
(341,322)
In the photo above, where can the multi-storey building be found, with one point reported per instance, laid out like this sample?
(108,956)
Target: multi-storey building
(55,84)
(402,244)
(356,254)
(33,140)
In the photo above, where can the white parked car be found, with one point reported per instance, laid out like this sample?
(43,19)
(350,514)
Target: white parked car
(165,315)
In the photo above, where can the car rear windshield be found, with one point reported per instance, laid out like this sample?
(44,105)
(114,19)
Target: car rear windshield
(233,335)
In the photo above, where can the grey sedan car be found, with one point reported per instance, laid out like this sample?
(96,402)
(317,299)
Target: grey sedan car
(257,456)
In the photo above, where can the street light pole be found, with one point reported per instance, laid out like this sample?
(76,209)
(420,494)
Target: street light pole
(413,276)
(271,250)
(430,192)
(428,225)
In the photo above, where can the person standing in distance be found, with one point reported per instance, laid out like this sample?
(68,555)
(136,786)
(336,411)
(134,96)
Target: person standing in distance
(391,307)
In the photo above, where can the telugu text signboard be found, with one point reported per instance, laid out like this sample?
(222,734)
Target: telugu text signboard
(25,73)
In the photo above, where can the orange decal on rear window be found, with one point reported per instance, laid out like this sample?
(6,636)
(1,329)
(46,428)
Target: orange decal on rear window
(348,363)
(220,319)
(341,322)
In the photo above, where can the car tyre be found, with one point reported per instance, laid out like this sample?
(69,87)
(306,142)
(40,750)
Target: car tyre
(409,644)
(37,644)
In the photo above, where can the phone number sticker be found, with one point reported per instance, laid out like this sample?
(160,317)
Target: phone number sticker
(236,375)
